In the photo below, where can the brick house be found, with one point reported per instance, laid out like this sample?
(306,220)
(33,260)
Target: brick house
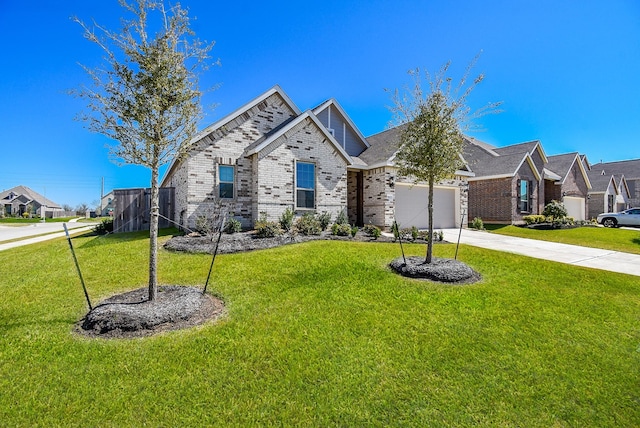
(630,169)
(515,181)
(572,187)
(508,182)
(608,194)
(268,156)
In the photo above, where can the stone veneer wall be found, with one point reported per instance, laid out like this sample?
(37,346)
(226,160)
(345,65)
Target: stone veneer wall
(195,179)
(275,179)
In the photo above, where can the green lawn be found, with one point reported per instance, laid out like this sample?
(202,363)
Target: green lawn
(322,334)
(625,240)
(19,221)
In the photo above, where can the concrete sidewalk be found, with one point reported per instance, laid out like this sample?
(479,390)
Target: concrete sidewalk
(613,261)
(39,228)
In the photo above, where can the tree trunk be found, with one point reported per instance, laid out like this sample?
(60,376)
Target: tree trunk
(153,235)
(430,236)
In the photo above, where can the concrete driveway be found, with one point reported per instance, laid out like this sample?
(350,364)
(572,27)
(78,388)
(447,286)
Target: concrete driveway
(53,230)
(613,261)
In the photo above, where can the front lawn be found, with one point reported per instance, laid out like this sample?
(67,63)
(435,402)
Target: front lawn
(20,221)
(625,240)
(321,334)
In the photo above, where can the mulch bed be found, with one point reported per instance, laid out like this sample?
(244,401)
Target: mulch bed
(130,314)
(439,270)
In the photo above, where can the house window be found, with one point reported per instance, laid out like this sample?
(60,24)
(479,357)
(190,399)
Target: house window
(610,203)
(523,198)
(225,181)
(305,185)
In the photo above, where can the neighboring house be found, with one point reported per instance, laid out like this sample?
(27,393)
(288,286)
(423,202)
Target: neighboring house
(508,183)
(21,199)
(609,194)
(268,156)
(630,169)
(107,205)
(572,187)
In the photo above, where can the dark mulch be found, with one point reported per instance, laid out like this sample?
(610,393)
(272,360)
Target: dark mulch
(131,315)
(440,270)
(248,241)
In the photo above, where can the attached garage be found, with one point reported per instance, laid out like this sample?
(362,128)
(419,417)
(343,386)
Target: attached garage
(411,206)
(576,207)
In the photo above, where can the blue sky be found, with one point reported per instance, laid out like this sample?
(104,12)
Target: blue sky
(567,73)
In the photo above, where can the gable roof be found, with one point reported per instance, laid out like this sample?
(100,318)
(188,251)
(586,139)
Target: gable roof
(527,147)
(333,103)
(622,184)
(274,135)
(563,164)
(630,168)
(488,162)
(26,194)
(228,119)
(601,182)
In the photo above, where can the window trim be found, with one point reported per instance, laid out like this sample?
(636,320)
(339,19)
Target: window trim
(297,188)
(232,182)
(521,201)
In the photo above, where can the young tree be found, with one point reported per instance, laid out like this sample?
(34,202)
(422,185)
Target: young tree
(147,96)
(432,129)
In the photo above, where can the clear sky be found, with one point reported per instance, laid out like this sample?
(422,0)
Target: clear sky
(566,71)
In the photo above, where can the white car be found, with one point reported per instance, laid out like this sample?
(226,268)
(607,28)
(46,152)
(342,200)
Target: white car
(630,217)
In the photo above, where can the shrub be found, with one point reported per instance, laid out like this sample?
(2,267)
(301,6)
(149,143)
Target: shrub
(534,219)
(372,231)
(354,231)
(232,226)
(438,236)
(308,224)
(341,218)
(341,229)
(204,226)
(104,227)
(324,219)
(555,209)
(267,229)
(286,220)
(477,223)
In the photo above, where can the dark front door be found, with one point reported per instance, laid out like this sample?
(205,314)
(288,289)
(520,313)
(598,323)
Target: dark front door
(360,199)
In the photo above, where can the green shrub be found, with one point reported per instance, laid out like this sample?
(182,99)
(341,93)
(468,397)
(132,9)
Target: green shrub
(204,225)
(372,231)
(232,226)
(308,224)
(555,209)
(267,229)
(324,219)
(534,219)
(342,218)
(354,231)
(477,223)
(438,236)
(104,227)
(340,229)
(286,220)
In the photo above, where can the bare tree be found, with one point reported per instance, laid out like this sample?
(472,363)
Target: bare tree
(433,125)
(147,97)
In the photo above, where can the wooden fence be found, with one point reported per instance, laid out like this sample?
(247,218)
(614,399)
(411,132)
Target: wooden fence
(132,208)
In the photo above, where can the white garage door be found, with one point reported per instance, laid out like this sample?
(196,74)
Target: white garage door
(412,203)
(575,207)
